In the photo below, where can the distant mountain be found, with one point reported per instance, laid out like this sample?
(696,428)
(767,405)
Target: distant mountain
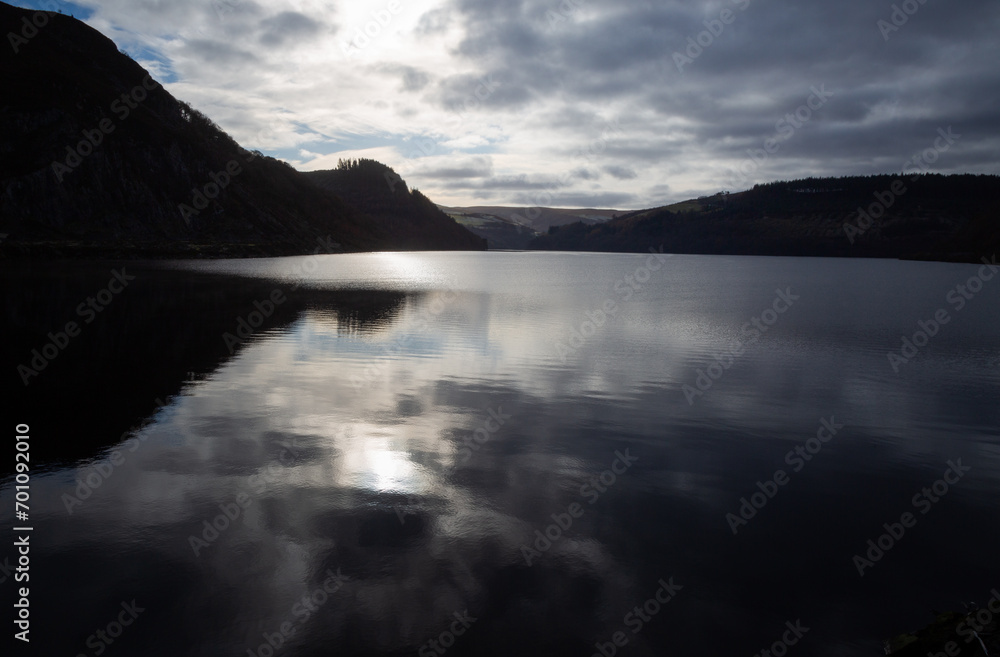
(926,217)
(509,227)
(499,232)
(97,159)
(537,219)
(410,217)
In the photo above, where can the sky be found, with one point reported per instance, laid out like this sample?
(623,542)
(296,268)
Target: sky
(620,104)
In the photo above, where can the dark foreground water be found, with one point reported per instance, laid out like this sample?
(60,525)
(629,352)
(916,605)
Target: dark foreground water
(496,454)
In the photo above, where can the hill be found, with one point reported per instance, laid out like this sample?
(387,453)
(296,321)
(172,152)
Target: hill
(97,159)
(410,217)
(925,217)
(507,227)
(536,218)
(499,232)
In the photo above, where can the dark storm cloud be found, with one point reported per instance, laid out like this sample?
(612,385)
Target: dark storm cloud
(889,95)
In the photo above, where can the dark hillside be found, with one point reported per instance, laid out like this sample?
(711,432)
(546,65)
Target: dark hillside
(97,159)
(409,216)
(931,216)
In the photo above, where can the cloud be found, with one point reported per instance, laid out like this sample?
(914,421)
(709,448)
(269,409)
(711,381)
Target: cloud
(433,23)
(220,52)
(449,167)
(621,172)
(466,142)
(584,173)
(537,85)
(288,25)
(412,79)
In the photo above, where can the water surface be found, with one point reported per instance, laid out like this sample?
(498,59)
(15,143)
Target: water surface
(409,421)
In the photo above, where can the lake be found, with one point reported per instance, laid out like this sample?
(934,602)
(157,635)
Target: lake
(502,453)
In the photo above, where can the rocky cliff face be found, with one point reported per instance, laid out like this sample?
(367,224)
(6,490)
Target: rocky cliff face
(96,158)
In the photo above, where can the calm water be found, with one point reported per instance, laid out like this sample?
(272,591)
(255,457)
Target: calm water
(410,421)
